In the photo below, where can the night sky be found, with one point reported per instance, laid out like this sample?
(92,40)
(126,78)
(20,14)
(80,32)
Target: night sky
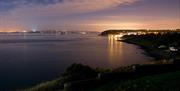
(96,15)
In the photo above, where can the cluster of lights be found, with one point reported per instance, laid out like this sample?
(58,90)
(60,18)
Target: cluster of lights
(120,35)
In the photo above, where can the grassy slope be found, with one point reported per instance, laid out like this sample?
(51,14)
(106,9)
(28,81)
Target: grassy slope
(163,82)
(46,86)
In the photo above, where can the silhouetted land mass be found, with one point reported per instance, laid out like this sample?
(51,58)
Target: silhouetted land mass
(157,45)
(107,32)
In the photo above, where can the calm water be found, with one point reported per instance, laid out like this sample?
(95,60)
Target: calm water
(26,60)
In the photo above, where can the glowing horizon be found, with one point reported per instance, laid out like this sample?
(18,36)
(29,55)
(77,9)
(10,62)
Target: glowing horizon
(18,15)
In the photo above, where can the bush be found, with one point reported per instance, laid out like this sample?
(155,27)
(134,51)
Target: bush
(79,72)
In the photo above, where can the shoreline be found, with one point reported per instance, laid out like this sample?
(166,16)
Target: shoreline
(150,49)
(147,51)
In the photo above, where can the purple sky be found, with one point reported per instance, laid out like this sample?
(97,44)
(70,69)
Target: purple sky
(96,15)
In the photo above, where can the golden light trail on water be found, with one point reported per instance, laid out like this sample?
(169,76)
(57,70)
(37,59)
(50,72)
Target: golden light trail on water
(114,48)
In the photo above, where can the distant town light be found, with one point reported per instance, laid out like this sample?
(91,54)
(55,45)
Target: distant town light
(83,33)
(34,30)
(118,37)
(24,31)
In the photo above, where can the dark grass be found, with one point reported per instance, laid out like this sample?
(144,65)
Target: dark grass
(162,82)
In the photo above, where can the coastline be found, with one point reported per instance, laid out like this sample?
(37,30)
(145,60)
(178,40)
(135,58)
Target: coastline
(146,49)
(150,48)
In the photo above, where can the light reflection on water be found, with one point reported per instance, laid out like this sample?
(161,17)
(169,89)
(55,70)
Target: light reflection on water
(125,54)
(115,49)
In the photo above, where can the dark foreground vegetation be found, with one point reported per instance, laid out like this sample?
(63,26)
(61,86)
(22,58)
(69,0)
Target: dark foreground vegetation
(162,82)
(157,45)
(78,77)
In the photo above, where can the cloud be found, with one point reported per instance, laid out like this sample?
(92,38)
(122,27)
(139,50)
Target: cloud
(58,13)
(69,7)
(25,12)
(79,4)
